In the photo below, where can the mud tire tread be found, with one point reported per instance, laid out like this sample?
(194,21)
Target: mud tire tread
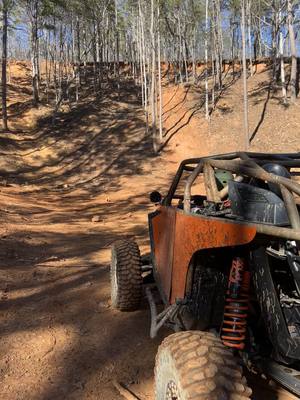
(127,269)
(202,367)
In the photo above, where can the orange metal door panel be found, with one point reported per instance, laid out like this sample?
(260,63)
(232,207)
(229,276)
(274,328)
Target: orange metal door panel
(196,232)
(163,226)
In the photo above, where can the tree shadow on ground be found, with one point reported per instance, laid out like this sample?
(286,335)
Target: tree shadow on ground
(71,304)
(53,282)
(180,123)
(264,93)
(262,117)
(100,138)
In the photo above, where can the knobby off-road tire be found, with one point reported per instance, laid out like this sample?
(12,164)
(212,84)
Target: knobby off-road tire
(197,366)
(126,276)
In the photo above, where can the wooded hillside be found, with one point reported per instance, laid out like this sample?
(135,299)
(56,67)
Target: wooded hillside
(73,45)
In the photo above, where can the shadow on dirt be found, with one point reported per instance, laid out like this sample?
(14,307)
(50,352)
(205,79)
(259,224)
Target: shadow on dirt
(56,320)
(264,93)
(71,152)
(71,306)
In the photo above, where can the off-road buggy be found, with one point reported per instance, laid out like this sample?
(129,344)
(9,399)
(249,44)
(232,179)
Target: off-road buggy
(227,267)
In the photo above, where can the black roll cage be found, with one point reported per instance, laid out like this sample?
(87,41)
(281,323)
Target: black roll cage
(242,164)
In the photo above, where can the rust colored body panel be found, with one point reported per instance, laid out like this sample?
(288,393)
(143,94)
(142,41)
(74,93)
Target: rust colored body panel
(177,235)
(163,226)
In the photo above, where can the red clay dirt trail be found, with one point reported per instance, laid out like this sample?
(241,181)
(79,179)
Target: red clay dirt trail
(70,193)
(68,190)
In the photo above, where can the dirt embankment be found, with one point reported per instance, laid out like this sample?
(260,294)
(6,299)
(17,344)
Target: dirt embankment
(68,190)
(273,126)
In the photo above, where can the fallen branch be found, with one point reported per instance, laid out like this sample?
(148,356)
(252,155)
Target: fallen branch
(52,347)
(125,392)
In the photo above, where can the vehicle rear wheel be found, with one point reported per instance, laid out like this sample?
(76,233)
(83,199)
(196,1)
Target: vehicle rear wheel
(126,275)
(196,365)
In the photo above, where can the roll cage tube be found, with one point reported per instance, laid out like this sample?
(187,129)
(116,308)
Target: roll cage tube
(288,160)
(243,164)
(184,166)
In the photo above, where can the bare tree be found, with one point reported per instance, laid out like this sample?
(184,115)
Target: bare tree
(33,12)
(206,61)
(160,110)
(249,35)
(246,122)
(4,64)
(282,69)
(153,79)
(293,52)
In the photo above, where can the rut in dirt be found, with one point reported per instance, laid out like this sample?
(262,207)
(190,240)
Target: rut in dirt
(73,191)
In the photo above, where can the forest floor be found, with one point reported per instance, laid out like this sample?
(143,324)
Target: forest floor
(69,188)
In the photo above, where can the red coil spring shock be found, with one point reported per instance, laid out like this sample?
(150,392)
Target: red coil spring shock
(233,332)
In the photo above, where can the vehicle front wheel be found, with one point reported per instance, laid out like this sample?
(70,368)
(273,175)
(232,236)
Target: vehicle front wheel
(196,365)
(125,275)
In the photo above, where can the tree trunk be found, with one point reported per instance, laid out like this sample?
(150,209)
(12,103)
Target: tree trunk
(146,91)
(213,72)
(47,35)
(55,60)
(282,70)
(232,37)
(194,56)
(274,43)
(159,78)
(206,62)
(293,53)
(4,65)
(249,36)
(218,42)
(78,60)
(153,81)
(140,49)
(99,54)
(95,56)
(246,123)
(117,41)
(60,66)
(34,53)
